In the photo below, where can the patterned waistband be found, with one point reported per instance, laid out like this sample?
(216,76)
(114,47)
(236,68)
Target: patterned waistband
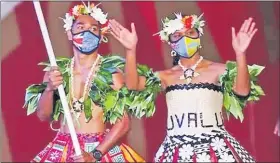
(93,137)
(82,134)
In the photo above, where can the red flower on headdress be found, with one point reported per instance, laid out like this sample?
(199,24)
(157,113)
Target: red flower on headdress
(106,24)
(105,27)
(188,21)
(71,12)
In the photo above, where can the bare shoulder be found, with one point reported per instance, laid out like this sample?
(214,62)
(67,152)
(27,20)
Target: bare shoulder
(220,68)
(165,73)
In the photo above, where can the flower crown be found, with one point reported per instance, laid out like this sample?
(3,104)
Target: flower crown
(84,9)
(172,25)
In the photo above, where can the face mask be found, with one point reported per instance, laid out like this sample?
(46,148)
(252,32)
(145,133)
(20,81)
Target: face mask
(86,42)
(186,47)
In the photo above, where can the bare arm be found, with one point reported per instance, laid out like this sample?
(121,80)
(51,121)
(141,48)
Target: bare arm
(240,43)
(242,82)
(129,40)
(132,80)
(119,130)
(45,105)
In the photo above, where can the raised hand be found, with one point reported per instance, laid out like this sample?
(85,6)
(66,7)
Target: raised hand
(124,36)
(242,40)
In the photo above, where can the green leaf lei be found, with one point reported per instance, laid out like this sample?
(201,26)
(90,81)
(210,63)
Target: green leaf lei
(114,103)
(136,103)
(232,103)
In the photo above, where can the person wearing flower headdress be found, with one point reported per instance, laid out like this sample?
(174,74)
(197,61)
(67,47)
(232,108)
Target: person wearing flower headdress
(95,91)
(196,90)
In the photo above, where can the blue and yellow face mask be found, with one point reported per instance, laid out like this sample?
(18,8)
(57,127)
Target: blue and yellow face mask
(185,46)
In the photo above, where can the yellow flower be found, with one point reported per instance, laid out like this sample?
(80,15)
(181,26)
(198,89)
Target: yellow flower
(184,18)
(81,9)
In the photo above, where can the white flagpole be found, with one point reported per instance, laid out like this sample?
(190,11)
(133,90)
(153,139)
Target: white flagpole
(61,92)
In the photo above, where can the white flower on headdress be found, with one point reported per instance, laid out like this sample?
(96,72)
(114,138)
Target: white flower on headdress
(88,8)
(75,10)
(84,9)
(200,30)
(198,24)
(173,25)
(178,15)
(98,15)
(163,35)
(68,21)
